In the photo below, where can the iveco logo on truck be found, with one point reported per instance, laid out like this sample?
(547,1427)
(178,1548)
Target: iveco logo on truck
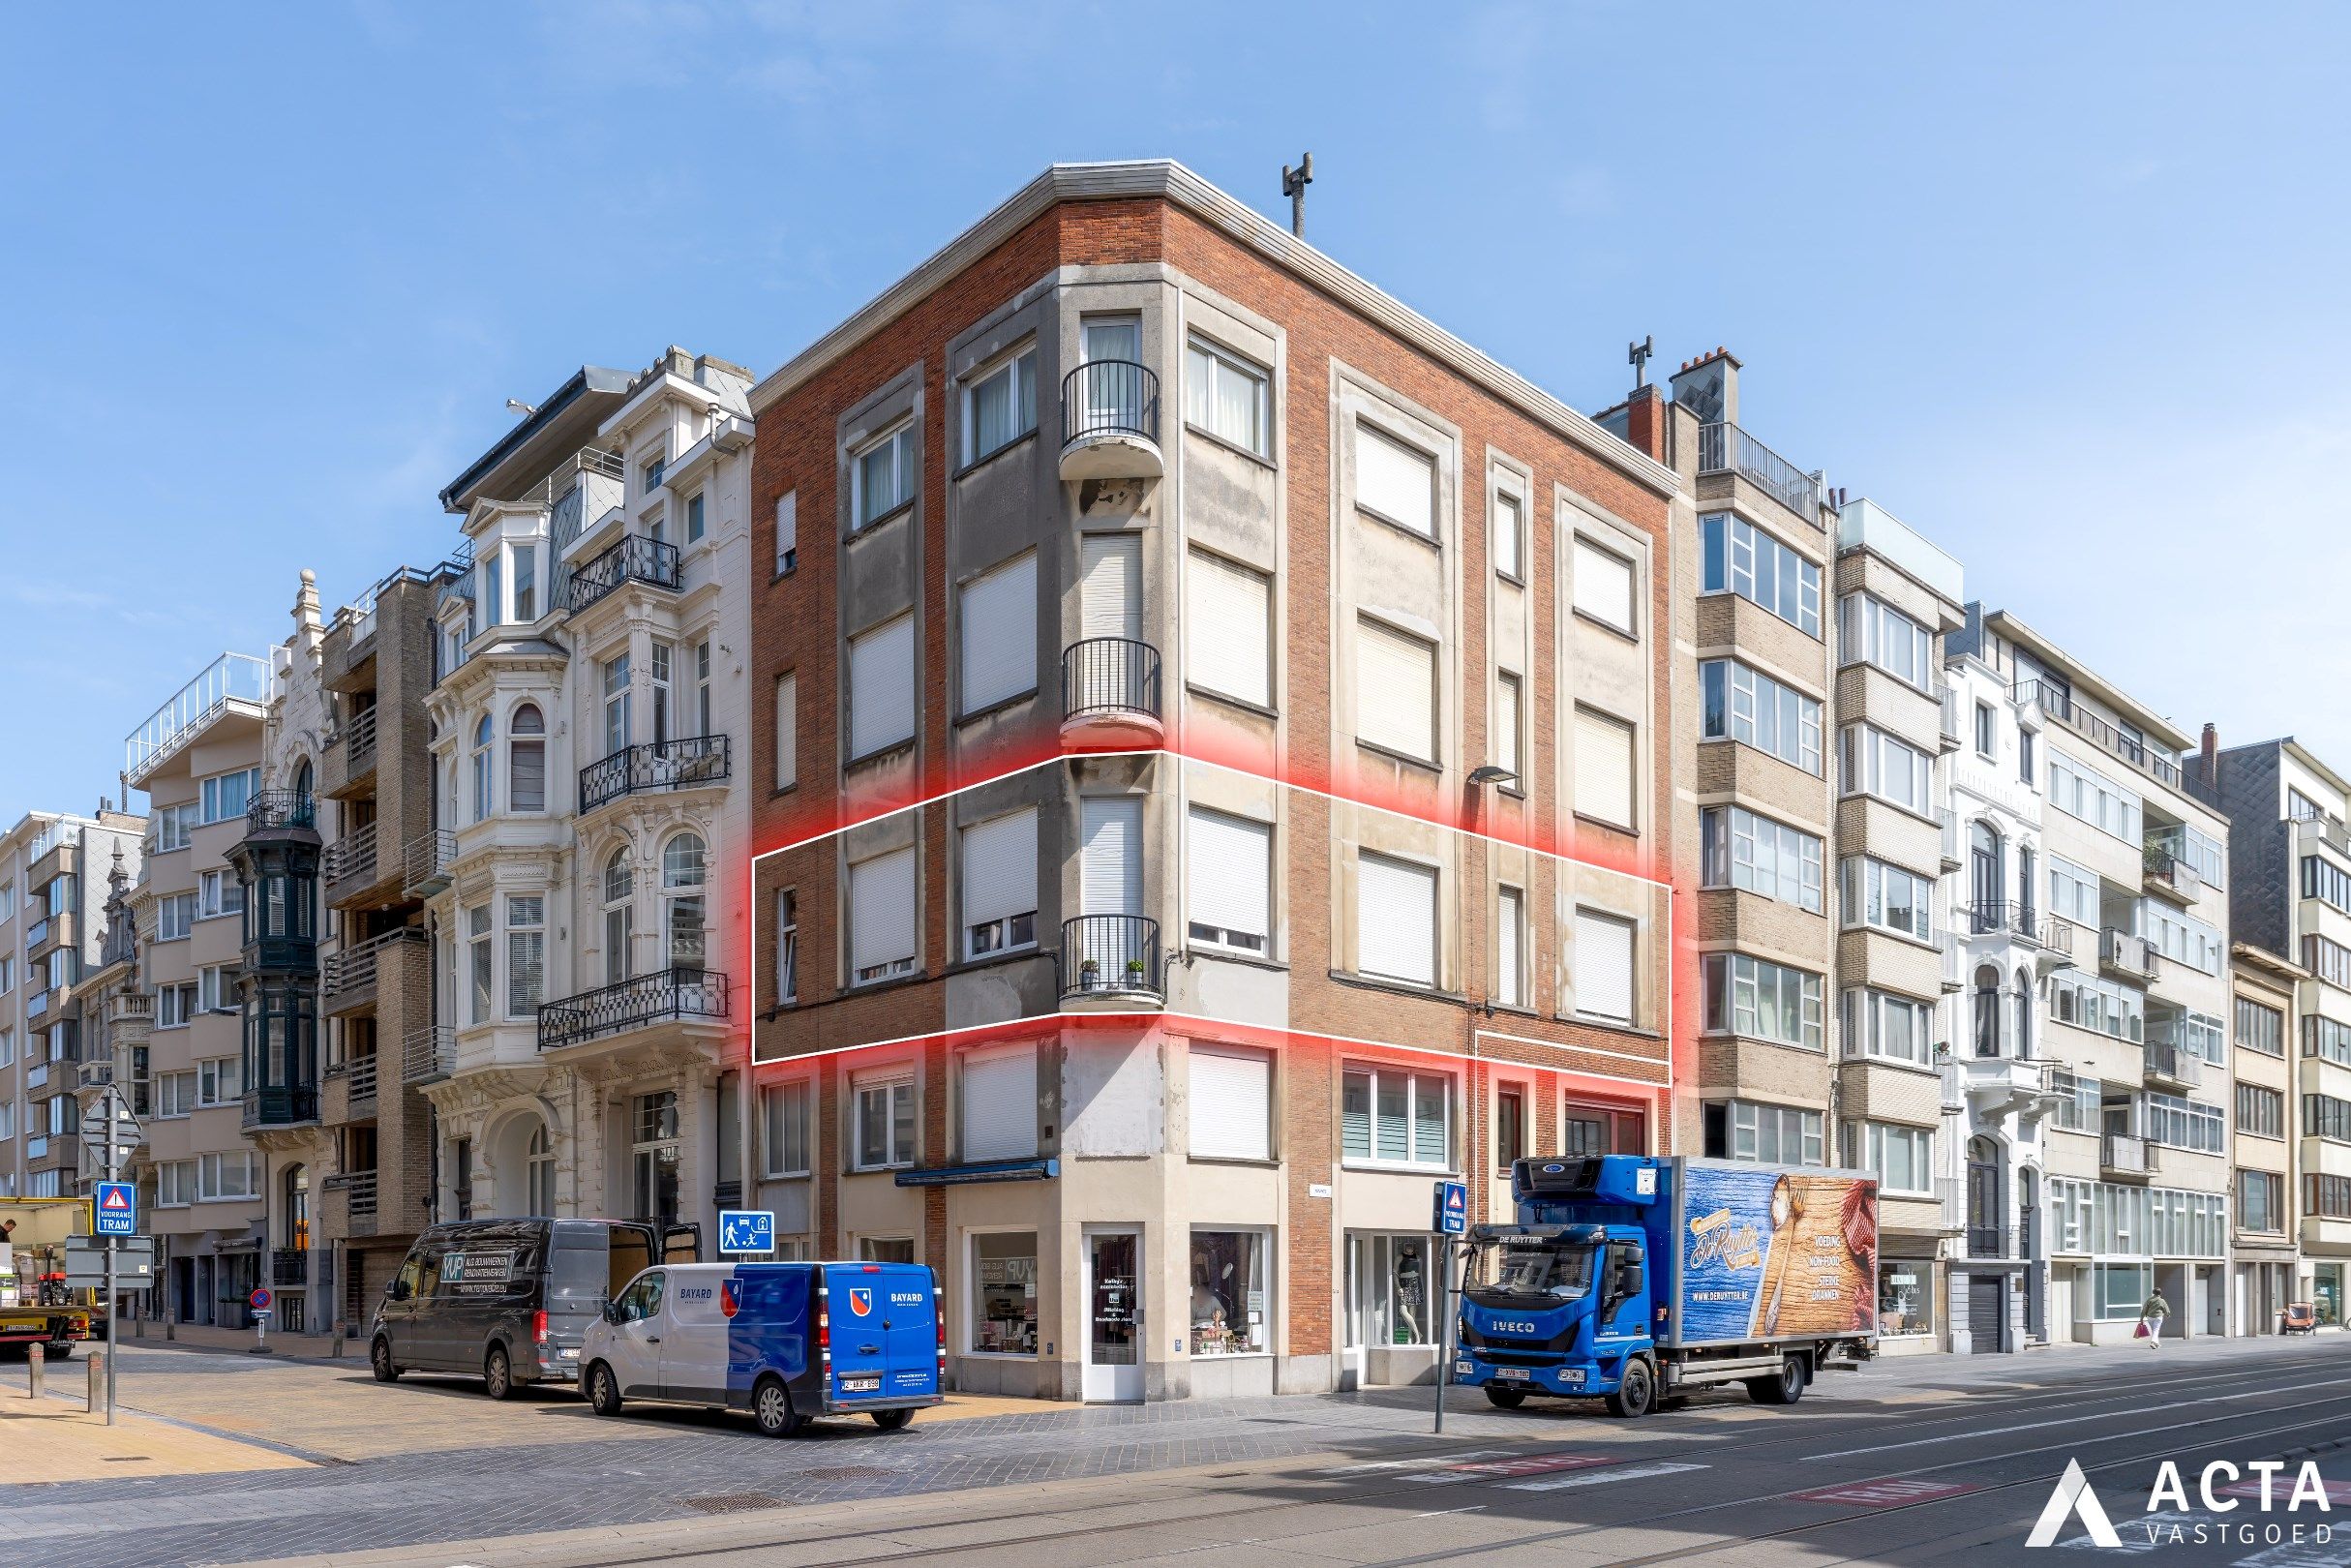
(1512,1325)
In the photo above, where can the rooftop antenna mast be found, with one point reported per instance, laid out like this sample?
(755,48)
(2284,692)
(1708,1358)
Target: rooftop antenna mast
(1637,355)
(1294,182)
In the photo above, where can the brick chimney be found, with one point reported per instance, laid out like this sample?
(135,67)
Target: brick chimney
(1644,421)
(2207,753)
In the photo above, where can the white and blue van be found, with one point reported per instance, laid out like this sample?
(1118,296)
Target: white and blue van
(787,1342)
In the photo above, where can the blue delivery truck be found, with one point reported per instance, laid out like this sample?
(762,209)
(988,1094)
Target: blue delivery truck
(1629,1277)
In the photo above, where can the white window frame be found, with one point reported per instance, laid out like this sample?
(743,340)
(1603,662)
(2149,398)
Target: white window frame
(1416,1079)
(1205,365)
(1404,451)
(1864,1031)
(1365,903)
(1020,370)
(1610,558)
(893,1084)
(1747,696)
(785,1098)
(1761,855)
(905,474)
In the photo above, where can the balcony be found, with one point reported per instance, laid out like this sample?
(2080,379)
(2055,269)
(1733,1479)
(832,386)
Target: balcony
(2166,1062)
(97,1073)
(2170,878)
(2127,955)
(1954,1081)
(2121,1155)
(2058,705)
(37,1005)
(1110,422)
(425,862)
(2018,920)
(359,1193)
(232,678)
(274,811)
(1725,448)
(1111,962)
(1954,729)
(2328,831)
(289,1267)
(2020,1086)
(359,744)
(633,1004)
(429,1054)
(635,558)
(1951,860)
(662,765)
(359,1077)
(283,1104)
(349,865)
(346,975)
(1110,693)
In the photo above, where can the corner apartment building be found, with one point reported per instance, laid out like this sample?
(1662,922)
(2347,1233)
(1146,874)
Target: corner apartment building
(2290,890)
(1207,758)
(581,869)
(2095,993)
(198,760)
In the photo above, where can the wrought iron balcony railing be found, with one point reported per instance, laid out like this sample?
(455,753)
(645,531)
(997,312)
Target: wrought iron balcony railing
(632,1004)
(289,1266)
(635,558)
(272,810)
(1109,677)
(1111,955)
(660,765)
(2058,703)
(1111,396)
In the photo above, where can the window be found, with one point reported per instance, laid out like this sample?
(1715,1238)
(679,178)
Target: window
(227,1176)
(1230,1102)
(1004,1293)
(2260,1028)
(2327,1197)
(8,894)
(176,1005)
(216,989)
(1231,1303)
(882,917)
(885,1122)
(7,1120)
(483,771)
(2079,792)
(172,823)
(1390,1278)
(701,689)
(882,477)
(787,946)
(539,1170)
(2099,1006)
(783,1116)
(1229,884)
(7,975)
(1741,558)
(1509,528)
(2323,880)
(1887,897)
(2329,961)
(219,1081)
(1894,770)
(1395,920)
(1226,397)
(881,687)
(1389,1116)
(481,959)
(1604,586)
(787,531)
(1510,1126)
(998,1103)
(1763,1000)
(695,526)
(2026,740)
(2260,1111)
(2200,852)
(1875,632)
(174,916)
(1395,690)
(2191,1124)
(654,1155)
(2323,1116)
(1000,883)
(227,795)
(997,616)
(525,955)
(1890,1028)
(999,406)
(2182,938)
(1509,707)
(1987,737)
(787,729)
(1766,1134)
(1743,849)
(2073,893)
(526,582)
(8,1048)
(664,713)
(1230,635)
(1603,966)
(526,760)
(2327,1039)
(1739,703)
(650,473)
(2261,1201)
(682,867)
(174,1094)
(1394,482)
(619,916)
(1510,948)
(218,893)
(1901,1157)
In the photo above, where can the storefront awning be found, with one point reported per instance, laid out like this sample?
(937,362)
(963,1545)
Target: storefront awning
(995,1170)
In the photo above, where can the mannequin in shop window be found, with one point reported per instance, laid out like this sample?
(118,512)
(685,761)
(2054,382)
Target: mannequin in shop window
(1210,1311)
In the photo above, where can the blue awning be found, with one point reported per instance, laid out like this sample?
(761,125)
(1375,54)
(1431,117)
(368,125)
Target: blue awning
(995,1170)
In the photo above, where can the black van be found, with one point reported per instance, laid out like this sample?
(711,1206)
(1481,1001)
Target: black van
(506,1300)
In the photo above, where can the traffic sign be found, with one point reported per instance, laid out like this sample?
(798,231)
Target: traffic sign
(1452,1208)
(116,1211)
(108,1121)
(746,1230)
(259,1300)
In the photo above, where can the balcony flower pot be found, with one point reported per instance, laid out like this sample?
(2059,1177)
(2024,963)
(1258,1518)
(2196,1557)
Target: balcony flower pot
(1089,974)
(1135,972)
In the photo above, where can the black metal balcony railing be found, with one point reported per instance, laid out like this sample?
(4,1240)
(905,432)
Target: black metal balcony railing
(273,809)
(1109,675)
(1725,448)
(1111,396)
(2059,704)
(633,1004)
(359,740)
(2166,1059)
(289,1266)
(1111,955)
(660,765)
(283,1104)
(1989,1241)
(635,558)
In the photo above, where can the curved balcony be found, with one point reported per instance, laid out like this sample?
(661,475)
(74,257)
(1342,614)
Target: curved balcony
(280,810)
(661,765)
(283,1104)
(633,1004)
(1110,422)
(1111,962)
(635,558)
(1110,694)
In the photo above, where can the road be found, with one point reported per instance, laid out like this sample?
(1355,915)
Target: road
(1927,1461)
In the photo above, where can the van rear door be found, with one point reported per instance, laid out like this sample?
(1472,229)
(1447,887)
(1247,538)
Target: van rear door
(884,1330)
(910,1325)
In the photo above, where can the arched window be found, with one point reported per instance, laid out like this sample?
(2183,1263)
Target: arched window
(620,921)
(1984,887)
(681,875)
(526,760)
(2024,1013)
(483,772)
(295,1207)
(302,780)
(541,1160)
(1987,1010)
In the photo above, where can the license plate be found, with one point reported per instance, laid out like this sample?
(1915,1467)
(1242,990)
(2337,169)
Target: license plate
(861,1385)
(569,1352)
(1514,1375)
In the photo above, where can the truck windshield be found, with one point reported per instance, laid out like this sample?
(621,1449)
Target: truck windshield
(1521,1268)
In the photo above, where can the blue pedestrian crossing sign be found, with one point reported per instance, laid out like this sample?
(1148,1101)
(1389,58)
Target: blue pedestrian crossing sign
(1452,1208)
(746,1230)
(115,1211)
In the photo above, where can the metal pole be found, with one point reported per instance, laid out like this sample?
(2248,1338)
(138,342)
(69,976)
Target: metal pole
(114,1174)
(1445,1309)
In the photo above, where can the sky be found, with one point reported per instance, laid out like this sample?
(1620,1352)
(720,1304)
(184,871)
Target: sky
(2061,286)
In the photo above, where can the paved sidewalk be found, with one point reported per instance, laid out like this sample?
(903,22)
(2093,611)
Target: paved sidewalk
(56,1439)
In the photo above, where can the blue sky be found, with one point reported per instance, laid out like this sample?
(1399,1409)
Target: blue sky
(2063,286)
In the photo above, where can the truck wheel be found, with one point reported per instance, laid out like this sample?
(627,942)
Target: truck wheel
(893,1420)
(1637,1395)
(1785,1389)
(772,1408)
(58,1350)
(1506,1399)
(380,1361)
(603,1390)
(498,1373)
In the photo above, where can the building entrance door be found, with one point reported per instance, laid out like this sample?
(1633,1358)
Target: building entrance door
(1987,1313)
(1114,1316)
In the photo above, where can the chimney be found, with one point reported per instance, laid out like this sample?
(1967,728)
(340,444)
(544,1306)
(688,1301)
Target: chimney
(2209,755)
(1708,387)
(1644,421)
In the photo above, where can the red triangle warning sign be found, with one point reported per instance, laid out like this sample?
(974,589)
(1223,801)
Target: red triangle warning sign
(114,1199)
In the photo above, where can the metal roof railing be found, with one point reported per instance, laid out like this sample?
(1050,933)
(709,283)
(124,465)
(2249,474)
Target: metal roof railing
(230,679)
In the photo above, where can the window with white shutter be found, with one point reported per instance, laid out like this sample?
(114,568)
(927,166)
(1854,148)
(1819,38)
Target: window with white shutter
(1231,1103)
(1508,725)
(1395,690)
(1508,530)
(1395,482)
(787,729)
(1110,586)
(787,531)
(1603,767)
(998,614)
(1110,855)
(1229,881)
(1395,920)
(1000,1103)
(882,917)
(1510,949)
(1000,883)
(881,687)
(1231,629)
(1604,586)
(1603,966)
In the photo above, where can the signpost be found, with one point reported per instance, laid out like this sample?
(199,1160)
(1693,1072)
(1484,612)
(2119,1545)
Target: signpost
(1450,1220)
(117,1210)
(743,1231)
(260,1301)
(111,1132)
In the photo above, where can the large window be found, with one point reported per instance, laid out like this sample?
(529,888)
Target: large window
(526,760)
(998,619)
(616,704)
(1231,1305)
(1000,883)
(1766,1134)
(998,406)
(2073,894)
(881,687)
(1229,629)
(225,1176)
(481,963)
(227,794)
(1231,1104)
(784,1116)
(1739,703)
(2182,938)
(2329,1039)
(1746,851)
(1607,771)
(2261,1201)
(2328,960)
(1395,690)
(2323,1116)
(1394,482)
(1891,1028)
(2260,1111)
(882,917)
(1391,1281)
(2100,1005)
(2185,1124)
(1396,920)
(525,955)
(885,1121)
(2082,792)
(1901,1157)
(1894,770)
(172,826)
(1604,586)
(1742,558)
(654,1155)
(1763,1000)
(1225,395)
(1603,966)
(1229,881)
(682,869)
(1004,1293)
(2121,1289)
(1905,1296)
(1875,632)
(2323,880)
(1393,1116)
(1888,897)
(2260,1028)
(619,916)
(882,475)
(174,917)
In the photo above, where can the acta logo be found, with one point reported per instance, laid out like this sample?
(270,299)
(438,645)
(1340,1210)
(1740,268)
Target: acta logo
(2074,1496)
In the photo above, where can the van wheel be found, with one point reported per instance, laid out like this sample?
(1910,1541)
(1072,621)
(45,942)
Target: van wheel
(1785,1389)
(498,1373)
(772,1408)
(380,1360)
(893,1420)
(1506,1399)
(1637,1395)
(603,1390)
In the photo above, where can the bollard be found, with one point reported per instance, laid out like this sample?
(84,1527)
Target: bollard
(36,1366)
(171,1328)
(138,1328)
(334,1348)
(94,1400)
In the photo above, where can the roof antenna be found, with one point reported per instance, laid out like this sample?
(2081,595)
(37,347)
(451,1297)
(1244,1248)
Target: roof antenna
(1637,355)
(1294,182)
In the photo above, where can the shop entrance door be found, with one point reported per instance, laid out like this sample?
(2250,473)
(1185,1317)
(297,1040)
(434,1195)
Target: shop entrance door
(1114,1316)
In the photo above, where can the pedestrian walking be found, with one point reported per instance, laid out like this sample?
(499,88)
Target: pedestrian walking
(2151,1320)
